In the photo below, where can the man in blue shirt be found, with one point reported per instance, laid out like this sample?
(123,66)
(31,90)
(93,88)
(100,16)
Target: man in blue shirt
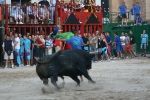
(137,9)
(117,42)
(27,44)
(122,9)
(21,49)
(138,20)
(144,43)
(108,39)
(132,12)
(76,42)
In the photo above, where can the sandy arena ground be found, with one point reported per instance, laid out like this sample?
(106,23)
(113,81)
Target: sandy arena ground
(116,80)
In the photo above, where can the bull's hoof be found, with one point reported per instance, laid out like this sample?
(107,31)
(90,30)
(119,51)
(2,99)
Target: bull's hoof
(93,82)
(78,85)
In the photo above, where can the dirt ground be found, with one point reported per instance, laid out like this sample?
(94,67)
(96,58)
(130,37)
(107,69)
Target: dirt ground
(127,79)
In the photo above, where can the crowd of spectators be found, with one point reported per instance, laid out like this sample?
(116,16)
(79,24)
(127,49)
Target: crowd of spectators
(135,12)
(30,48)
(44,11)
(40,12)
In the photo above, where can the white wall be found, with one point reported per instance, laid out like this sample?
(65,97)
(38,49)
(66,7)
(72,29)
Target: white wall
(32,1)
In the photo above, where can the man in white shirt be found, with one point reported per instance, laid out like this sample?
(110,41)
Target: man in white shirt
(17,48)
(122,38)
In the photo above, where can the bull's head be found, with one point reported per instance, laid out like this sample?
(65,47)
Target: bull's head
(47,59)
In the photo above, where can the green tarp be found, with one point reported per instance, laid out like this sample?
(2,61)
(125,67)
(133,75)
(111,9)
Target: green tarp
(66,35)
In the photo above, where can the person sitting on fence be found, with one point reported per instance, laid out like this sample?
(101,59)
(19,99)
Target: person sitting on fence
(8,48)
(15,13)
(52,10)
(44,13)
(20,12)
(138,20)
(29,13)
(49,45)
(27,44)
(35,10)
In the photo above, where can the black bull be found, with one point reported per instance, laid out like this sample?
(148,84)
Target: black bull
(70,63)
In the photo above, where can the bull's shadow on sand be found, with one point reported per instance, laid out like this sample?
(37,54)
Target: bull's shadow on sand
(71,86)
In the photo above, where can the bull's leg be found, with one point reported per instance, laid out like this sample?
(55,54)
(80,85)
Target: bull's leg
(85,73)
(53,81)
(45,81)
(75,78)
(62,78)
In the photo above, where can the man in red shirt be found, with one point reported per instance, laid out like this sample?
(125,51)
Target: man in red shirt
(41,44)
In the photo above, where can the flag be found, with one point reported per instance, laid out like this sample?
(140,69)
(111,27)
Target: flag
(66,35)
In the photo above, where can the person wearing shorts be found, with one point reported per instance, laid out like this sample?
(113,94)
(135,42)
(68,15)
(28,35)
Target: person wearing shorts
(132,12)
(117,42)
(104,46)
(27,44)
(21,49)
(8,46)
(133,44)
(122,9)
(122,38)
(127,45)
(144,43)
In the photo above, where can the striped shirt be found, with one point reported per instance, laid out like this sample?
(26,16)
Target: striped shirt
(49,43)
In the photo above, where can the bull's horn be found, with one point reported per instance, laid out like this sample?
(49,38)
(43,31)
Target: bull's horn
(52,57)
(93,52)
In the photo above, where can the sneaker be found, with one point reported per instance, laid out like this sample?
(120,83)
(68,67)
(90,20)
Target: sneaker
(5,67)
(27,65)
(118,58)
(19,66)
(22,65)
(115,58)
(109,60)
(101,60)
(34,65)
(142,54)
(95,61)
(16,22)
(13,66)
(20,23)
(135,56)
